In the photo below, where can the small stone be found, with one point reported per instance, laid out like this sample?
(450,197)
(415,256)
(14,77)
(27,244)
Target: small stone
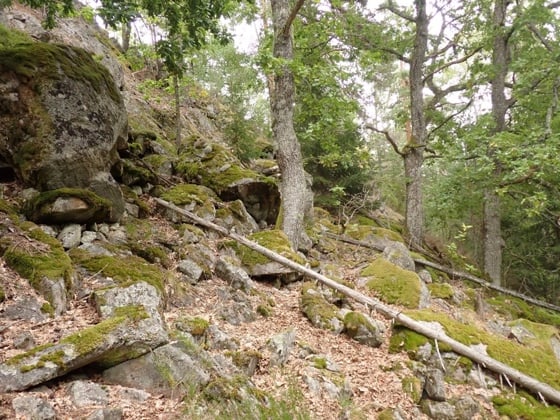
(24,341)
(31,407)
(191,270)
(88,237)
(434,384)
(425,276)
(70,236)
(106,414)
(84,393)
(281,346)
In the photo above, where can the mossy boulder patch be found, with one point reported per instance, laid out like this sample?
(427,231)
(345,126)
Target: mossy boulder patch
(217,168)
(535,358)
(363,329)
(124,270)
(257,264)
(40,259)
(91,345)
(195,198)
(393,284)
(372,233)
(62,119)
(318,310)
(68,205)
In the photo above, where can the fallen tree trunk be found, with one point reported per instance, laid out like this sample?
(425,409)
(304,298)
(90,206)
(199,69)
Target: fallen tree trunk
(544,390)
(450,271)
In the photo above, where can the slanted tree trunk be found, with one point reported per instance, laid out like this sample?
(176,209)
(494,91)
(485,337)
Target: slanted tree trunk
(413,153)
(493,242)
(293,186)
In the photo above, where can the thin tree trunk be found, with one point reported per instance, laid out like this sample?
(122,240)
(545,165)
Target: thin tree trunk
(493,242)
(544,390)
(178,123)
(293,186)
(126,31)
(414,150)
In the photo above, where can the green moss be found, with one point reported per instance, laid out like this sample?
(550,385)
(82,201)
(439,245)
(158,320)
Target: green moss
(243,359)
(195,326)
(183,194)
(535,359)
(124,270)
(12,37)
(47,308)
(134,174)
(30,353)
(320,312)
(354,320)
(320,363)
(227,388)
(364,232)
(35,262)
(523,406)
(518,308)
(413,387)
(393,284)
(441,290)
(2,294)
(39,61)
(275,240)
(37,208)
(264,310)
(403,339)
(87,340)
(6,208)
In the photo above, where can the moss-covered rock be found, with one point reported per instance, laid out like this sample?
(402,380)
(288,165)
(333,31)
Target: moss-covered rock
(68,205)
(372,233)
(515,308)
(523,406)
(393,284)
(413,387)
(321,313)
(441,290)
(363,330)
(195,198)
(124,270)
(535,359)
(195,326)
(40,259)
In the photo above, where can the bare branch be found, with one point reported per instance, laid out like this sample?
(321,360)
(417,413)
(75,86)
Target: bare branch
(388,136)
(453,62)
(395,10)
(293,14)
(536,32)
(450,117)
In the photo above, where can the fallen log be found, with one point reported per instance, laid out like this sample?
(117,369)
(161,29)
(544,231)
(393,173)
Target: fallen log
(543,390)
(450,271)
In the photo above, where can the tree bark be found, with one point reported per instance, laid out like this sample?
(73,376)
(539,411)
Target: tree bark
(293,188)
(178,123)
(413,153)
(126,31)
(492,240)
(544,390)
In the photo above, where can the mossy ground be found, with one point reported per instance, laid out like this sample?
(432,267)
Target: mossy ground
(354,320)
(518,308)
(124,270)
(524,406)
(365,232)
(393,284)
(441,290)
(275,240)
(42,257)
(535,359)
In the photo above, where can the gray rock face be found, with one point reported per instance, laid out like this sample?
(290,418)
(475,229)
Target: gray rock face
(106,414)
(162,371)
(434,384)
(62,120)
(84,393)
(438,410)
(398,254)
(235,276)
(34,408)
(281,346)
(70,236)
(192,271)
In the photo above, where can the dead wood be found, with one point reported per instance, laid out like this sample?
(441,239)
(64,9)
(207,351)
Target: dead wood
(543,390)
(452,272)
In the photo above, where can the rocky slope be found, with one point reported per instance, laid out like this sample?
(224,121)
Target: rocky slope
(112,306)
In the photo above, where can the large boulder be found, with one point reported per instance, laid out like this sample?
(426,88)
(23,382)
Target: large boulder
(61,119)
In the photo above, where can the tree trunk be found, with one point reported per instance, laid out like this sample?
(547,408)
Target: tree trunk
(293,186)
(493,242)
(178,124)
(125,33)
(414,150)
